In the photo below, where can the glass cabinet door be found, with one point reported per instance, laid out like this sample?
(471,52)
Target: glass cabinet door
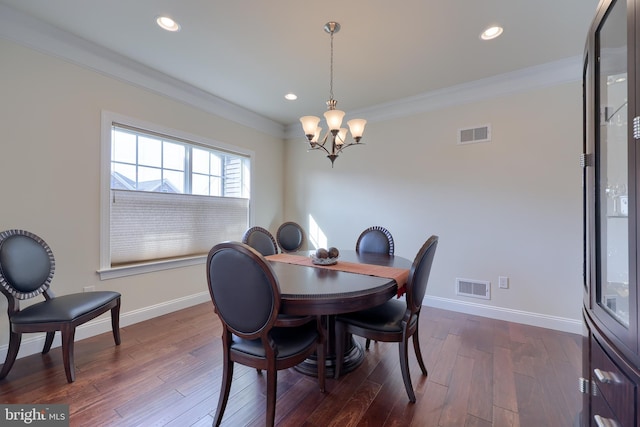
(612,168)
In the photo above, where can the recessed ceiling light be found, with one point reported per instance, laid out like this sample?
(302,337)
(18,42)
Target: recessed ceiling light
(291,96)
(491,32)
(167,23)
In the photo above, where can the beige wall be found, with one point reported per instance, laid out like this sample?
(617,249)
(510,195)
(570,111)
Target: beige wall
(50,172)
(510,207)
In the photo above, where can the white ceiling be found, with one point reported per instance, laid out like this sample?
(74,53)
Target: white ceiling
(252,52)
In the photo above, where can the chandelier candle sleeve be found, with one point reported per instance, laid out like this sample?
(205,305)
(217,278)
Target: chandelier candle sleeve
(334,119)
(310,125)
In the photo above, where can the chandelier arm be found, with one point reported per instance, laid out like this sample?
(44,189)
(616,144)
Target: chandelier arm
(344,146)
(318,146)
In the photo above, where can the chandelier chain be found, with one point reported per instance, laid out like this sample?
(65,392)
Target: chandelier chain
(331,70)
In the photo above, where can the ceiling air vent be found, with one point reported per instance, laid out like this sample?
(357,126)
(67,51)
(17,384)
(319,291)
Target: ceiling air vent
(473,135)
(473,288)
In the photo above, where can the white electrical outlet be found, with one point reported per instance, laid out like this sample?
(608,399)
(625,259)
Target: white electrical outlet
(88,289)
(503,282)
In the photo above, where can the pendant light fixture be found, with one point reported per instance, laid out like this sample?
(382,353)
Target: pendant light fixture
(334,140)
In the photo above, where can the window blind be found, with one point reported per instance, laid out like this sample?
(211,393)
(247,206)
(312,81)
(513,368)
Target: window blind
(147,226)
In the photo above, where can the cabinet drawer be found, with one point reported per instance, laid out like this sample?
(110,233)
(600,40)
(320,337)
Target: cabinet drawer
(602,412)
(613,385)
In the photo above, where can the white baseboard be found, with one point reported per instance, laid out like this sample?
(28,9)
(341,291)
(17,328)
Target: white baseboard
(33,343)
(518,316)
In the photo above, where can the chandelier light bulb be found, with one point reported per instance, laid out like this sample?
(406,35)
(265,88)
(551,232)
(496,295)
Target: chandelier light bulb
(334,119)
(309,124)
(316,135)
(356,126)
(342,136)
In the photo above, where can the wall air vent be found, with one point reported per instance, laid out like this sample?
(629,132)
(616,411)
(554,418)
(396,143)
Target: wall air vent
(473,288)
(473,135)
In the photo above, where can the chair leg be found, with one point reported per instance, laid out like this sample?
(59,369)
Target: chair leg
(367,344)
(68,333)
(416,347)
(272,389)
(12,353)
(48,341)
(115,322)
(227,376)
(404,367)
(320,355)
(339,348)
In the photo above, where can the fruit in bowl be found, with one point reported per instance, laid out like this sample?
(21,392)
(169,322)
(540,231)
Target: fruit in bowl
(324,256)
(322,253)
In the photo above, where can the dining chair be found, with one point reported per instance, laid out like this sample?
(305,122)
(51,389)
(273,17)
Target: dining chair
(290,236)
(395,320)
(251,335)
(26,271)
(261,240)
(375,239)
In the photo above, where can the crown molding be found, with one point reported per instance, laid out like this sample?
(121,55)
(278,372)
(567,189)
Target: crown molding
(40,36)
(555,73)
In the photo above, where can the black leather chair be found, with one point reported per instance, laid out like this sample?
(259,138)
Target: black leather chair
(378,240)
(290,237)
(251,335)
(26,270)
(395,320)
(261,240)
(375,239)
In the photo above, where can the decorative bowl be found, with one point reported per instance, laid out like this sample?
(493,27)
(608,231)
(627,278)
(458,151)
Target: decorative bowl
(323,261)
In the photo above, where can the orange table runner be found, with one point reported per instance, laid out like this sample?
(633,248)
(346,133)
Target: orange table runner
(400,275)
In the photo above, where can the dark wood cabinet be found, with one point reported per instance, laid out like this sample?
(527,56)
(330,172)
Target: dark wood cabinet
(611,174)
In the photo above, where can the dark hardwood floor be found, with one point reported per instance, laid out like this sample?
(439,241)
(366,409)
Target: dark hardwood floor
(482,372)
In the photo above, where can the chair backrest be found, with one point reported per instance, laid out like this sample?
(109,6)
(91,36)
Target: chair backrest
(244,289)
(261,240)
(419,274)
(375,239)
(26,264)
(290,236)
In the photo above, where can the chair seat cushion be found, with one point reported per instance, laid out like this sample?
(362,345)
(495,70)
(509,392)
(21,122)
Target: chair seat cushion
(290,341)
(384,318)
(64,308)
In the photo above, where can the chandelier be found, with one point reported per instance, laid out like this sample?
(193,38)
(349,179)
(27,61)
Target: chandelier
(334,141)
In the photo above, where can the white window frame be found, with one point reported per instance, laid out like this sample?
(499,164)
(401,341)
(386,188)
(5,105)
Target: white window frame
(108,119)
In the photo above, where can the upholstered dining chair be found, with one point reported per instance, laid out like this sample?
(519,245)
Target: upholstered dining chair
(375,239)
(250,332)
(261,240)
(290,236)
(395,320)
(26,271)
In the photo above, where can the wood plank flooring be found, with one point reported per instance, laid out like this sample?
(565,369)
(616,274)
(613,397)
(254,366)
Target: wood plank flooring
(166,372)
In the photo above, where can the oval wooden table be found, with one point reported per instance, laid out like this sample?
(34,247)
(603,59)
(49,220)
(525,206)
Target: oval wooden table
(315,290)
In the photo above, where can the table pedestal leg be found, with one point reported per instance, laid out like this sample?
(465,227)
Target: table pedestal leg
(353,357)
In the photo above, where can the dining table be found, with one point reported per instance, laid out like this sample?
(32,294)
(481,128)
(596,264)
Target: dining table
(357,281)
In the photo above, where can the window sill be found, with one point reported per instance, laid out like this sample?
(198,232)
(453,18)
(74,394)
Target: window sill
(133,269)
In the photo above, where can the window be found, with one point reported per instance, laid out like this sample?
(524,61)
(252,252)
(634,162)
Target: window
(169,198)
